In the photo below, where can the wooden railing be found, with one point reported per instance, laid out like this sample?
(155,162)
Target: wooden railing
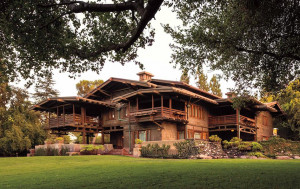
(230,120)
(72,120)
(157,113)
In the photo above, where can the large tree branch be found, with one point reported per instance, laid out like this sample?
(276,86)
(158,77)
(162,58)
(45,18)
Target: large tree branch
(277,56)
(149,13)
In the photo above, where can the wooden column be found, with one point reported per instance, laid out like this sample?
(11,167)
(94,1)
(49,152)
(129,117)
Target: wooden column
(137,103)
(162,104)
(48,120)
(74,114)
(57,116)
(170,106)
(152,102)
(83,124)
(64,117)
(238,123)
(255,136)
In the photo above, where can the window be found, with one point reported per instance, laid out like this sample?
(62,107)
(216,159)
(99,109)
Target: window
(180,135)
(142,135)
(111,115)
(190,133)
(197,135)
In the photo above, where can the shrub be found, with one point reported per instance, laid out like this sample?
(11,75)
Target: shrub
(256,146)
(215,138)
(40,152)
(257,154)
(59,139)
(91,149)
(279,146)
(64,150)
(186,148)
(138,141)
(155,151)
(245,146)
(234,142)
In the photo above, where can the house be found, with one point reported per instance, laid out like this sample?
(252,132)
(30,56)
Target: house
(157,110)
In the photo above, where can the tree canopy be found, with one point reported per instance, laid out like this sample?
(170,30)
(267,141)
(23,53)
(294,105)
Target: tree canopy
(256,43)
(85,86)
(44,89)
(20,127)
(214,86)
(185,77)
(202,82)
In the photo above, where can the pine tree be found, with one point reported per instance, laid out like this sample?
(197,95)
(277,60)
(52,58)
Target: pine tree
(202,81)
(44,89)
(85,86)
(214,86)
(185,77)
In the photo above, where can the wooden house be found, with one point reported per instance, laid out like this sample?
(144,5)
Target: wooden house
(156,110)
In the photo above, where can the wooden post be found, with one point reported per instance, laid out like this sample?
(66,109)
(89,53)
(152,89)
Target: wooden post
(238,123)
(162,104)
(49,120)
(170,106)
(137,103)
(64,117)
(57,116)
(152,102)
(185,110)
(83,124)
(255,136)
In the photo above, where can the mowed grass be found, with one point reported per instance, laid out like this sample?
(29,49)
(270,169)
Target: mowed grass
(127,172)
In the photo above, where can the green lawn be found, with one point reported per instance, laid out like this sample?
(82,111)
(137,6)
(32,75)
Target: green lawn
(127,172)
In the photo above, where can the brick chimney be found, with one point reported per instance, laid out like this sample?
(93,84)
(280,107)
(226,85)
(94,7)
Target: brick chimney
(231,95)
(145,76)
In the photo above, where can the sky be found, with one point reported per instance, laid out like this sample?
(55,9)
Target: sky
(155,58)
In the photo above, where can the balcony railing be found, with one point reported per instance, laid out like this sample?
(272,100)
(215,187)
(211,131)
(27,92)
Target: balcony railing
(214,121)
(157,113)
(73,120)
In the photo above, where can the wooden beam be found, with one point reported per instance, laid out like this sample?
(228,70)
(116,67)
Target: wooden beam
(103,92)
(159,125)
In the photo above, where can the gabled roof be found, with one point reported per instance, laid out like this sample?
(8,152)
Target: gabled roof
(164,90)
(56,101)
(179,84)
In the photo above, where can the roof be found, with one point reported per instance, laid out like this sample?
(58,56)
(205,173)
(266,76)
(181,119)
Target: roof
(51,102)
(165,90)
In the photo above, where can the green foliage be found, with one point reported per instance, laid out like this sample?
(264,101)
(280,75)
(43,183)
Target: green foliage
(279,146)
(185,77)
(186,148)
(20,127)
(37,36)
(289,99)
(44,89)
(256,146)
(138,141)
(215,138)
(85,86)
(52,151)
(155,151)
(59,139)
(91,148)
(64,150)
(214,86)
(245,146)
(250,41)
(202,81)
(40,152)
(257,154)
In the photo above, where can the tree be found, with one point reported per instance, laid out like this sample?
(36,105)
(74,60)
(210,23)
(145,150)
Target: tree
(202,81)
(255,43)
(20,127)
(85,86)
(214,86)
(37,35)
(289,99)
(44,89)
(185,77)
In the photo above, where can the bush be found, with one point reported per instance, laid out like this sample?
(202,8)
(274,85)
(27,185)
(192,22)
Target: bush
(278,146)
(215,138)
(155,151)
(138,141)
(40,152)
(64,150)
(186,148)
(245,146)
(257,154)
(91,149)
(256,146)
(234,142)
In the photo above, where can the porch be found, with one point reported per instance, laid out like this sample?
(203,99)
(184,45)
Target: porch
(234,123)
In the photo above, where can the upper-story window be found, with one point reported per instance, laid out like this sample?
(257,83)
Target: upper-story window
(111,115)
(196,111)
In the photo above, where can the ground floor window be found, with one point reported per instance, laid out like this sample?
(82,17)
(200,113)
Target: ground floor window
(193,134)
(144,135)
(180,135)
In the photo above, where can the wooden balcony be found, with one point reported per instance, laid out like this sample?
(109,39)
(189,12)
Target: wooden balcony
(157,113)
(75,121)
(230,122)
